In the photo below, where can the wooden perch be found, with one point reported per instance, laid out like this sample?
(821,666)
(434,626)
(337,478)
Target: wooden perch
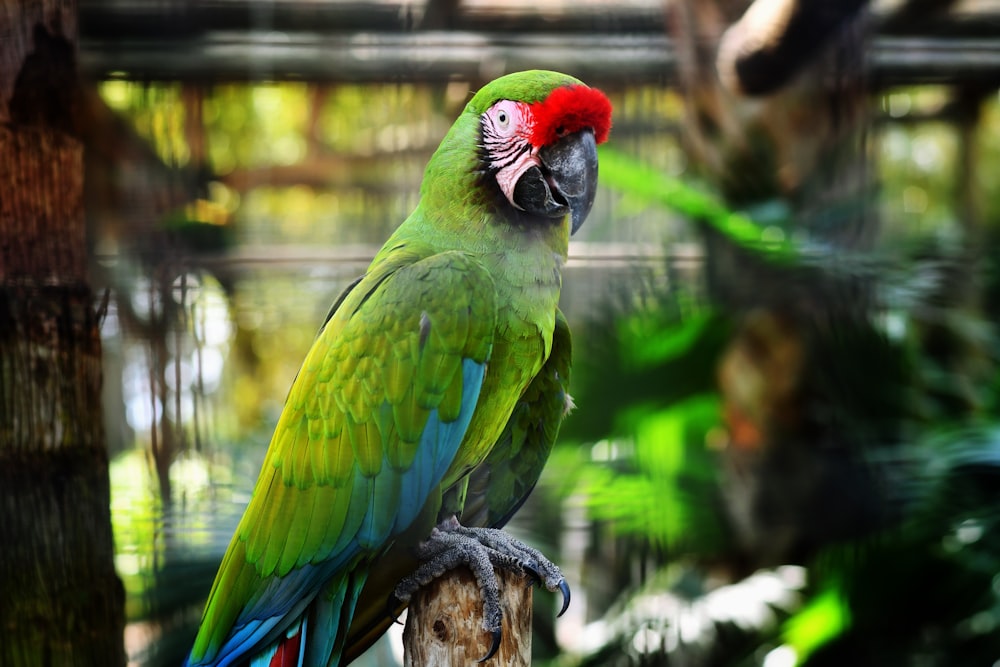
(444,624)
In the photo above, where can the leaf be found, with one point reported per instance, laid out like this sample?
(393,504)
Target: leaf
(642,182)
(824,617)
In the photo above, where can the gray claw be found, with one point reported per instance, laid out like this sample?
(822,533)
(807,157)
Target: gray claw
(481,550)
(495,646)
(564,589)
(391,604)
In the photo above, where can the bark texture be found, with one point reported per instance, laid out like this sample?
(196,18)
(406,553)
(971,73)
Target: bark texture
(444,624)
(62,603)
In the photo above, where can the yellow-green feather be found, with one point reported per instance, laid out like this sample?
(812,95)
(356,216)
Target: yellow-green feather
(342,422)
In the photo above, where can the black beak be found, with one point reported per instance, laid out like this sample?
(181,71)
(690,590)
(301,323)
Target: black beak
(566,183)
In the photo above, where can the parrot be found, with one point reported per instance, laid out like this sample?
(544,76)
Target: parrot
(424,410)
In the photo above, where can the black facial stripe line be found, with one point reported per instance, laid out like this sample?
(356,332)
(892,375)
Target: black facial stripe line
(504,149)
(499,149)
(511,155)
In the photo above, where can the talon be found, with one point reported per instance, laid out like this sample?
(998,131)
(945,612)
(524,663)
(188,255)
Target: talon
(532,574)
(482,550)
(495,646)
(390,608)
(564,589)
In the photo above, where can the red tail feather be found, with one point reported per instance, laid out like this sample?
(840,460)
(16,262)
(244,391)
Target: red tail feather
(286,652)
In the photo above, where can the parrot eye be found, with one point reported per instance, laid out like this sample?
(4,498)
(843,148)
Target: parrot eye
(503,118)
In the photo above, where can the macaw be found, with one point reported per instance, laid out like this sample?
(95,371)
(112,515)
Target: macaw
(429,399)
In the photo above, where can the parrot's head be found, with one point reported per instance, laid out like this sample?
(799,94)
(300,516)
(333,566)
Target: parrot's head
(536,134)
(538,142)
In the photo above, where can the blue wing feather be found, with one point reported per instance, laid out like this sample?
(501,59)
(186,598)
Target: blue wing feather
(284,599)
(380,508)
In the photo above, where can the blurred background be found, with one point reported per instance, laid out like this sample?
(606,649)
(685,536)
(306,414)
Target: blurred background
(786,449)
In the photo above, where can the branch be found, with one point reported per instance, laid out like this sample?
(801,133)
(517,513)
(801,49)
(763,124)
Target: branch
(444,624)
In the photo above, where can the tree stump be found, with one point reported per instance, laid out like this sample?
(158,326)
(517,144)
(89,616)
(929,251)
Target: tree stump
(444,624)
(61,602)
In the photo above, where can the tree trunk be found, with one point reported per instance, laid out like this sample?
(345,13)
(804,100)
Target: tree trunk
(444,625)
(788,381)
(62,603)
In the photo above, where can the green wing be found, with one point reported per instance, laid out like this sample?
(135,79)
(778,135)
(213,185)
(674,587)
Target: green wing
(500,485)
(497,487)
(371,424)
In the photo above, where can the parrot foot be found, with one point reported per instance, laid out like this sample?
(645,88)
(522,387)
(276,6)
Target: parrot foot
(451,545)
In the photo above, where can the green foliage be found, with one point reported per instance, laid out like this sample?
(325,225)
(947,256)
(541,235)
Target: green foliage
(900,394)
(652,187)
(924,592)
(649,341)
(658,484)
(918,165)
(823,618)
(648,358)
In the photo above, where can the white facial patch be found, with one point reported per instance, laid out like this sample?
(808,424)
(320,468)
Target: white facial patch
(506,127)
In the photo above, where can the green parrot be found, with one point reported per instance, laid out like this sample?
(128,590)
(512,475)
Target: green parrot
(430,399)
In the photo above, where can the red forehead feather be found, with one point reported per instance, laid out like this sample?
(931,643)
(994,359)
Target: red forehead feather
(569,109)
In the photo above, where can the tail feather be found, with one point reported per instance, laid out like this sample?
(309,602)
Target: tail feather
(318,637)
(287,651)
(330,618)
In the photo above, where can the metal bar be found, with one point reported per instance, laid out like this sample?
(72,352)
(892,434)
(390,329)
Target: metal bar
(366,56)
(190,18)
(906,60)
(447,55)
